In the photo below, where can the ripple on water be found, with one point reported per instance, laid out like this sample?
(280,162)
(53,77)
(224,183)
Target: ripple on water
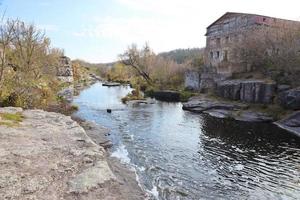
(181,155)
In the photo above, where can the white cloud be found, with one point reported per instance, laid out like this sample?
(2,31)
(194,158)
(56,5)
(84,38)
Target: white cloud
(171,24)
(161,34)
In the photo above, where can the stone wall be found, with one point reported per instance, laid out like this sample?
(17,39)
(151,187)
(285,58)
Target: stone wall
(65,70)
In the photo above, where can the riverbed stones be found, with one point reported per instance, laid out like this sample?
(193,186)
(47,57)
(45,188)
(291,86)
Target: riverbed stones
(290,99)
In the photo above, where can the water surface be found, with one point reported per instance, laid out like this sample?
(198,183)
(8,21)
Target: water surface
(181,155)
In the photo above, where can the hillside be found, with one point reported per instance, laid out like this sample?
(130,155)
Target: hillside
(183,55)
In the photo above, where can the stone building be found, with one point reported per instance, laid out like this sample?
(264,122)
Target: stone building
(227,30)
(65,70)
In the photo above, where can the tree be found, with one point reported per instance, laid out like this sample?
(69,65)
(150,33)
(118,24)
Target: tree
(269,48)
(140,60)
(6,39)
(27,65)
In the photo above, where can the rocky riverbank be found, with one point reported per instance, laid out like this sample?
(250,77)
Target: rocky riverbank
(46,155)
(225,109)
(239,111)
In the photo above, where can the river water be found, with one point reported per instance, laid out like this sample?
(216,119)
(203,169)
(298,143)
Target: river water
(181,155)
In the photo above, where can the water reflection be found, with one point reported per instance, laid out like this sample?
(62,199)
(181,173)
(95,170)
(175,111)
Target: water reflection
(259,158)
(182,155)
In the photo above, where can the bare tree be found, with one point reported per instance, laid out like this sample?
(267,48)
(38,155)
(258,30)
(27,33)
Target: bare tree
(30,49)
(6,38)
(140,60)
(269,48)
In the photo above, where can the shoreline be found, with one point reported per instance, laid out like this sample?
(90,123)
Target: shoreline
(238,111)
(48,155)
(127,178)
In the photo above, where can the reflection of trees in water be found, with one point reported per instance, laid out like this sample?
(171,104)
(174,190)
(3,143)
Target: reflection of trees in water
(248,135)
(245,153)
(227,141)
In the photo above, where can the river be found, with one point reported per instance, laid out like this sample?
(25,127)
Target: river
(181,155)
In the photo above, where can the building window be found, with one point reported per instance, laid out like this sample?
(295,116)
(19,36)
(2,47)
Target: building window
(225,55)
(218,41)
(211,54)
(218,54)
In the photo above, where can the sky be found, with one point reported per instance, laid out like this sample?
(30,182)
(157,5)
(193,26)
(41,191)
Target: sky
(99,30)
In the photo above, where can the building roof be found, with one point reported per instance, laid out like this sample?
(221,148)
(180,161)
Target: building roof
(236,13)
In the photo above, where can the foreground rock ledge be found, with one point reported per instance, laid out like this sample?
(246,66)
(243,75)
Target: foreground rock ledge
(49,156)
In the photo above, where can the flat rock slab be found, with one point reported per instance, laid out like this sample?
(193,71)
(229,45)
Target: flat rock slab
(49,156)
(224,109)
(91,178)
(204,103)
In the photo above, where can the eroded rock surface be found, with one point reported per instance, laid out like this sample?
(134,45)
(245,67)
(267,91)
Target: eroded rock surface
(290,99)
(225,109)
(251,91)
(49,156)
(291,123)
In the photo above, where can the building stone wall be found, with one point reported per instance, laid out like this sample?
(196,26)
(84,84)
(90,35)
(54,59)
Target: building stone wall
(230,29)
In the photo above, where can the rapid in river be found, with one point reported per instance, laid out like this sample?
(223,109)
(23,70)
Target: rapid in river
(182,155)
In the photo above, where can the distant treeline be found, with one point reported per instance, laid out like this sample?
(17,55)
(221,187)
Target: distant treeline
(181,56)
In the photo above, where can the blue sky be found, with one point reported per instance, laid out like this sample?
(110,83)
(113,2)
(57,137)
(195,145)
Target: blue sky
(99,30)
